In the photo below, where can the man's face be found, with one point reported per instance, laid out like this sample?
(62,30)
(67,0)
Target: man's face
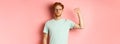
(58,11)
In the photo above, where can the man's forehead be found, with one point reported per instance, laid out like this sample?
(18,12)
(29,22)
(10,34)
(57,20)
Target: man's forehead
(58,6)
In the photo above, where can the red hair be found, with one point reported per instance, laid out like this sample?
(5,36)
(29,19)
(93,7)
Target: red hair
(56,4)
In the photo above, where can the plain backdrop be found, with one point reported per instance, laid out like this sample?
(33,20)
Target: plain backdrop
(22,21)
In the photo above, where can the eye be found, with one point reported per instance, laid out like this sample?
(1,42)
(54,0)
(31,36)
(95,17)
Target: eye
(60,9)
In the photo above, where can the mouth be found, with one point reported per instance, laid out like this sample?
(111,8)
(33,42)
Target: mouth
(58,15)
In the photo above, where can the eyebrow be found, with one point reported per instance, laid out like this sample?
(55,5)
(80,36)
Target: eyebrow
(61,8)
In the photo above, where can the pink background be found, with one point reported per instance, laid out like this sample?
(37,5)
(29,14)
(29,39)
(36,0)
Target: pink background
(22,21)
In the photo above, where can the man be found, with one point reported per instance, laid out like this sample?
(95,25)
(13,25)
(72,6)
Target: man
(57,28)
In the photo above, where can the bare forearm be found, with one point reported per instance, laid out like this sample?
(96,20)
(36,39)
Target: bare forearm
(80,25)
(80,21)
(45,39)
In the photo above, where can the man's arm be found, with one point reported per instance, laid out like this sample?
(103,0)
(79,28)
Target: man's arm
(45,36)
(80,25)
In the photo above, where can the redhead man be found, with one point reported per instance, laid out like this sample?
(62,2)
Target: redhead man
(58,28)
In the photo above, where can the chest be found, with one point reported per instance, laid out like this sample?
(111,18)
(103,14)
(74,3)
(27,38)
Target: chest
(59,27)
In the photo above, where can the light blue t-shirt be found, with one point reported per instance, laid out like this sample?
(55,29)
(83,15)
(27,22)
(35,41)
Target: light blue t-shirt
(58,30)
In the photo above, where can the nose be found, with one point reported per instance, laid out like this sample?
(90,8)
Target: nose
(57,10)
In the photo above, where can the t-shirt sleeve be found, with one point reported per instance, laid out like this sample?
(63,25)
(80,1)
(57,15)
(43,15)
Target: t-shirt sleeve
(71,24)
(45,30)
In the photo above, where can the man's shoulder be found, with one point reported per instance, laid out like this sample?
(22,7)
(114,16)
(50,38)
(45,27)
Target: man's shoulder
(68,20)
(51,20)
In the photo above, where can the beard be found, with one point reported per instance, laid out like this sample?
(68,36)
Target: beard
(57,15)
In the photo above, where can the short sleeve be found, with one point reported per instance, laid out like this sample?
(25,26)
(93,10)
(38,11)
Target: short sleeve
(45,30)
(71,24)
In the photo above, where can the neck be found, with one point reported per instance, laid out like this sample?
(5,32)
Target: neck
(57,18)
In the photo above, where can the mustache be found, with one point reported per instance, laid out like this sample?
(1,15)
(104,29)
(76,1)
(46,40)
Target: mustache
(58,15)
